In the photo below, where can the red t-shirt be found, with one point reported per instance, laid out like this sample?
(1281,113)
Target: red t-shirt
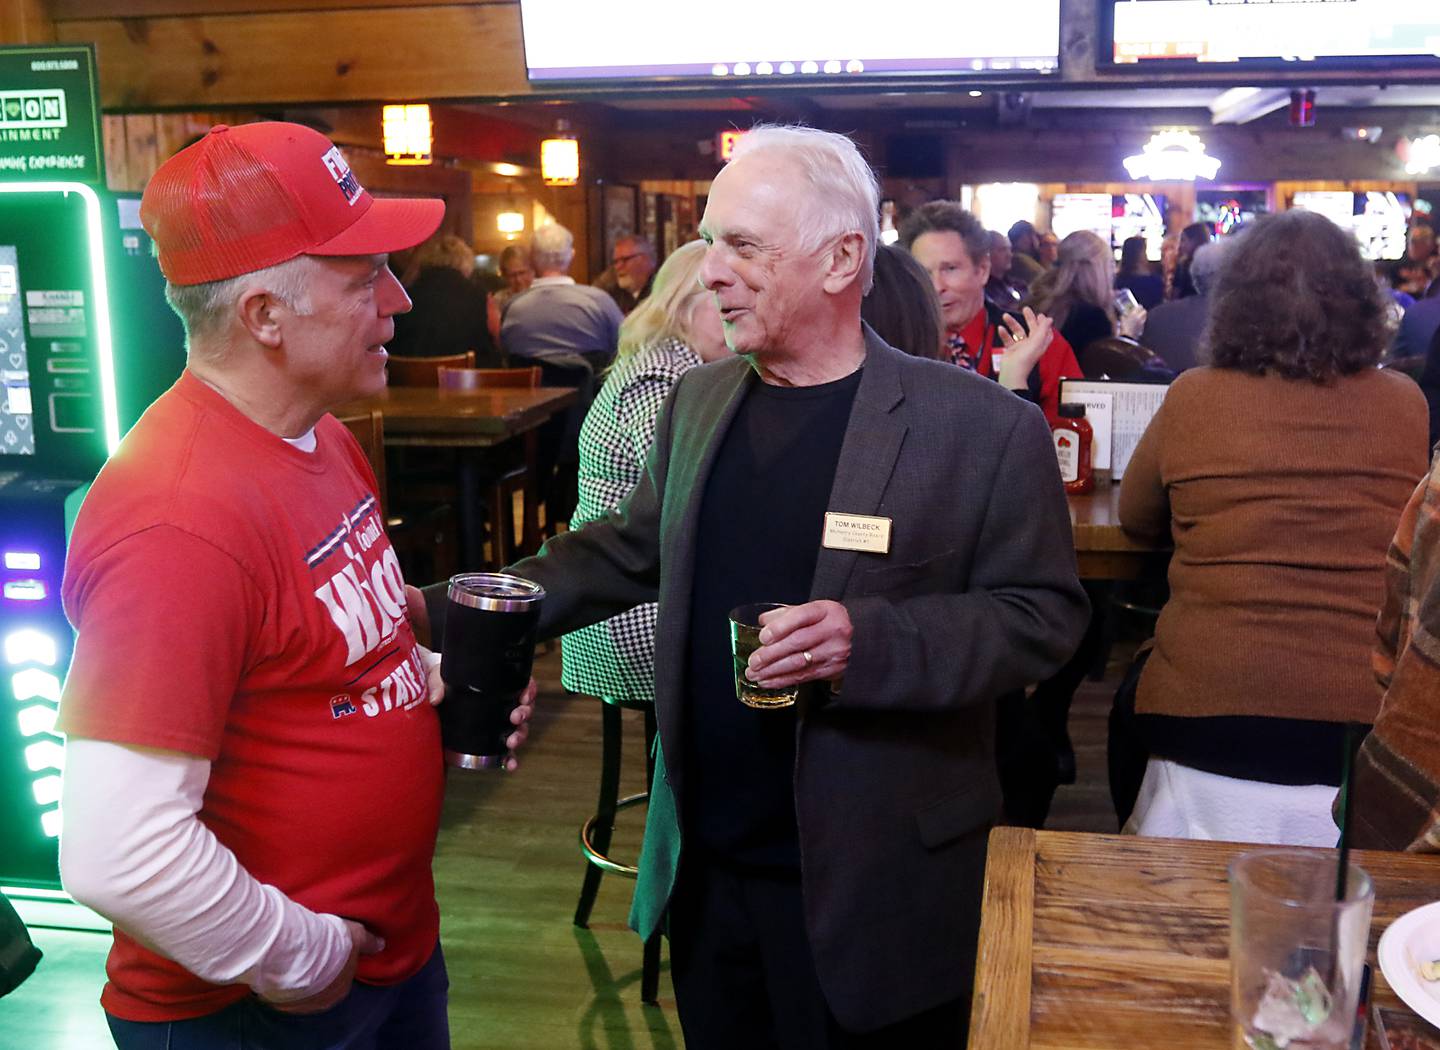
(1056,363)
(237,599)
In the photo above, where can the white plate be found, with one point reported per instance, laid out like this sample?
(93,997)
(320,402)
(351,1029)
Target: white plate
(1412,939)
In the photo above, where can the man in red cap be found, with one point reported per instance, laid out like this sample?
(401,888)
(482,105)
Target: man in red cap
(254,772)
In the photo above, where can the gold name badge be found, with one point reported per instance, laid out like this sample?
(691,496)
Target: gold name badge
(857,532)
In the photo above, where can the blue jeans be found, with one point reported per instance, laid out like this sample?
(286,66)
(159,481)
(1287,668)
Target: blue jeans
(406,1016)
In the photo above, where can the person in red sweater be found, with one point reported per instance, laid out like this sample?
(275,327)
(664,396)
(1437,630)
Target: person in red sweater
(254,770)
(955,249)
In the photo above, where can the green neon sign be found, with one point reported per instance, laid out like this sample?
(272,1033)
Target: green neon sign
(50,114)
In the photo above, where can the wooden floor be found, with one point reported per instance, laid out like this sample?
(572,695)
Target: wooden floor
(508,870)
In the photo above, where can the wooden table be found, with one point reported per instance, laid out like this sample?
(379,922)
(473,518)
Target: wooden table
(428,417)
(1102,550)
(1105,942)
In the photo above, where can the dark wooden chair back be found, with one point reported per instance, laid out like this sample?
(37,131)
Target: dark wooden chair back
(489,378)
(425,371)
(1117,357)
(369,430)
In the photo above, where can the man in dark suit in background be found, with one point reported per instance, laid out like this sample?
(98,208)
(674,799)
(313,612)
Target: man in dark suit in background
(819,867)
(1174,329)
(1417,328)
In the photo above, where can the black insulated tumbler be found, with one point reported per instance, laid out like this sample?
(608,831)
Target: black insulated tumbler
(488,650)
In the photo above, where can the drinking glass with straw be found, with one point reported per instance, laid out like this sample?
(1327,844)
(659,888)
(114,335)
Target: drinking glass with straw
(1299,929)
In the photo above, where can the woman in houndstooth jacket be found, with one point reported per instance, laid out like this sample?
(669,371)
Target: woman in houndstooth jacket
(671,331)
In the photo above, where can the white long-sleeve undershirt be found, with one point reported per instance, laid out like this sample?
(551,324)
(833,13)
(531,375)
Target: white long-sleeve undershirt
(134,850)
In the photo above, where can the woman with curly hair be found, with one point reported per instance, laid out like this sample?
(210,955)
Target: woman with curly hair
(1280,472)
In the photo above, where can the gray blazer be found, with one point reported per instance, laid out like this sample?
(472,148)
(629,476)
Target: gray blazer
(895,782)
(1174,329)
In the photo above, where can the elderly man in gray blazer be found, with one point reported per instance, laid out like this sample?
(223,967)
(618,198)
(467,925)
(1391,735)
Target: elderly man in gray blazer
(819,867)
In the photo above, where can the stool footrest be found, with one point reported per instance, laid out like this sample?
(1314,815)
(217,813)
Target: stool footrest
(594,856)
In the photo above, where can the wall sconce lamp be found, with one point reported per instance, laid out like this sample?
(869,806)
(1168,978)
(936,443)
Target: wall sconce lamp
(406,131)
(560,157)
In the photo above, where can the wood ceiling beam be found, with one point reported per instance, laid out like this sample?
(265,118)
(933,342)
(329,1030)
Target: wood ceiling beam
(429,52)
(26,22)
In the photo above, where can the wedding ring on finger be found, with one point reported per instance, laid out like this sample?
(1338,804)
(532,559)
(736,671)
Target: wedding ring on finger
(808,658)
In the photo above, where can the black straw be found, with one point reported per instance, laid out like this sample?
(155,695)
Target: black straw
(1347,799)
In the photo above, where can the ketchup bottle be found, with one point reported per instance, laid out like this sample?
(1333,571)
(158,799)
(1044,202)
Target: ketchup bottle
(1074,439)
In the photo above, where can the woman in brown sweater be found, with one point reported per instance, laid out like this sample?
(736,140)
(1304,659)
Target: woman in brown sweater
(1280,473)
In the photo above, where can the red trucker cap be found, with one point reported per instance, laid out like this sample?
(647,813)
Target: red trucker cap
(257,195)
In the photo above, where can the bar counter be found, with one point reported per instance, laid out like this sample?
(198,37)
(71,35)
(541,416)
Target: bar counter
(1103,942)
(1102,549)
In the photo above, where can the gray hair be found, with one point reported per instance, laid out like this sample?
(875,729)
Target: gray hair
(1205,264)
(844,195)
(205,308)
(643,245)
(552,249)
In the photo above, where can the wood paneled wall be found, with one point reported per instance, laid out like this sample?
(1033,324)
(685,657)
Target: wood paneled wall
(206,53)
(70,10)
(137,144)
(26,22)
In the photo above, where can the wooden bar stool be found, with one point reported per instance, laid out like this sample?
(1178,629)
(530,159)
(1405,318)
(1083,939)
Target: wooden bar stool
(463,377)
(424,479)
(423,371)
(422,538)
(596,832)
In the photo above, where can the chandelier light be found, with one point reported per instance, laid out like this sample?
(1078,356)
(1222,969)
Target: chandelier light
(1172,156)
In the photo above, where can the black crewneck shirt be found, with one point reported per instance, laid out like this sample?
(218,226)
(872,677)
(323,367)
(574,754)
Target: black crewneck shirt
(761,522)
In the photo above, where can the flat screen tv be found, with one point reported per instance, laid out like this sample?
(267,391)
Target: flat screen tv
(1082,211)
(1331,33)
(1378,219)
(1336,205)
(1138,215)
(1381,221)
(765,42)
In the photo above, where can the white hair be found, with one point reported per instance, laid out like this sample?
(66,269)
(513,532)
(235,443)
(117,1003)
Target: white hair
(1205,264)
(204,308)
(844,195)
(552,249)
